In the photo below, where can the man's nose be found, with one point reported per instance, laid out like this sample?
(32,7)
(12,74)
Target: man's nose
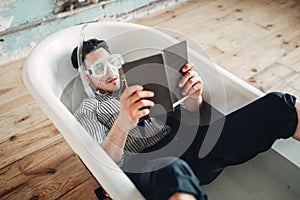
(110,70)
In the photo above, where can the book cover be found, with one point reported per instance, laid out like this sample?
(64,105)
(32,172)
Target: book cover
(175,57)
(159,73)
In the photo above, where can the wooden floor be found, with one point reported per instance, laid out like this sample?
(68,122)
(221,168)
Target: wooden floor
(256,40)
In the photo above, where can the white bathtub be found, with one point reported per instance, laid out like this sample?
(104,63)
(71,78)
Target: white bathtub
(47,71)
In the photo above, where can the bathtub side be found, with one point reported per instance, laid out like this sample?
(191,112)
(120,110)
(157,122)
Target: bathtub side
(40,79)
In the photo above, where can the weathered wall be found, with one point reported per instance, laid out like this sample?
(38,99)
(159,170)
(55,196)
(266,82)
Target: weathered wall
(24,23)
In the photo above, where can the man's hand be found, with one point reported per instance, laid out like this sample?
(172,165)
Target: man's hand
(192,86)
(134,106)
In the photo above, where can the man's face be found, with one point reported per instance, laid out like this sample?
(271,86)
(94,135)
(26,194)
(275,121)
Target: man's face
(110,81)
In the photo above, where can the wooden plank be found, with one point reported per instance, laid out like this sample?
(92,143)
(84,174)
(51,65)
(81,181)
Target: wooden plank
(206,18)
(46,174)
(292,58)
(289,85)
(25,130)
(237,32)
(246,26)
(26,117)
(230,35)
(263,42)
(192,18)
(270,77)
(26,142)
(203,15)
(296,65)
(221,28)
(38,163)
(167,14)
(15,103)
(11,82)
(83,191)
(294,82)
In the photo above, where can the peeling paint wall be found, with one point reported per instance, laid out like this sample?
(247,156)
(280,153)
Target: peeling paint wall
(24,23)
(26,11)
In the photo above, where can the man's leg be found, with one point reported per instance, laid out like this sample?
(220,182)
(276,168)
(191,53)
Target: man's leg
(246,132)
(254,128)
(174,181)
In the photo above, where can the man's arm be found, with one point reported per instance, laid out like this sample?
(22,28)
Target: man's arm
(87,118)
(132,101)
(133,105)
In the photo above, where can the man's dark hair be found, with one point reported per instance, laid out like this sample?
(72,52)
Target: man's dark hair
(88,47)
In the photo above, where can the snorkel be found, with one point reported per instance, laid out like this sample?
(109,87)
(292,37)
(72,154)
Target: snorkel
(88,90)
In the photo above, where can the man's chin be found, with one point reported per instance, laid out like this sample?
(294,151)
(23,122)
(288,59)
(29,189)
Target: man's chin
(115,88)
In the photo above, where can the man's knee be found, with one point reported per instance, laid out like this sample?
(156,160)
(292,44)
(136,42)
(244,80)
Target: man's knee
(178,177)
(286,98)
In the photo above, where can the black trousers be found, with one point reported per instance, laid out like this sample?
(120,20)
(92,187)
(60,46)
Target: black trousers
(246,132)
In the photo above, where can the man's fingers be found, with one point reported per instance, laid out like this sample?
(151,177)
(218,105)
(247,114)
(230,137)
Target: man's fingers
(139,113)
(140,95)
(186,77)
(192,84)
(142,113)
(131,90)
(141,105)
(196,89)
(186,68)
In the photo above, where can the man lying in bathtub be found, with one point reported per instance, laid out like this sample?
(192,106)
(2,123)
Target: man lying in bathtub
(113,122)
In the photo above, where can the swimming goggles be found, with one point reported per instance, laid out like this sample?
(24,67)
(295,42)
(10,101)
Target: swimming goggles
(106,66)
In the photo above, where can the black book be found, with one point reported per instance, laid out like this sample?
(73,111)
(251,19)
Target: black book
(159,73)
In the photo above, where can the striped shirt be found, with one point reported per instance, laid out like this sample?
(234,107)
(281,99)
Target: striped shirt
(97,115)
